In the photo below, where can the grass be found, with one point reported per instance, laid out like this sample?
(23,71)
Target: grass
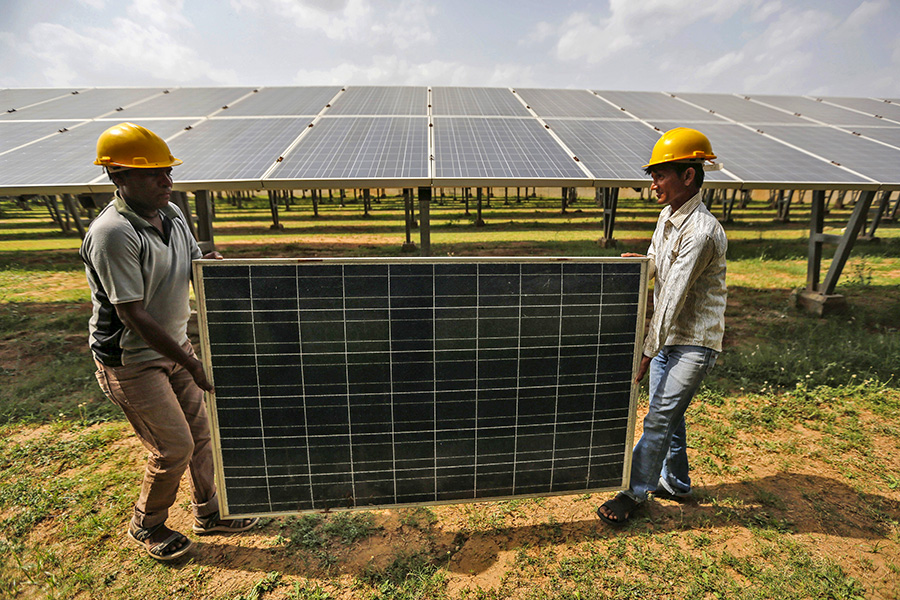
(794,439)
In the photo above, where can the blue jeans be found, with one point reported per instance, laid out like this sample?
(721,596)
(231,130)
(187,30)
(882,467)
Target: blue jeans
(660,457)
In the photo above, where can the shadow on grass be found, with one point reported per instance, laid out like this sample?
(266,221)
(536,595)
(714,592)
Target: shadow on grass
(784,503)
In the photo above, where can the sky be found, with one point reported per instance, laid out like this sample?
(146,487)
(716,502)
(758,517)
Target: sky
(813,47)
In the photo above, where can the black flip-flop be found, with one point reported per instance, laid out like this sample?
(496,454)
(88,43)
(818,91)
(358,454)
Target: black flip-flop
(621,507)
(158,551)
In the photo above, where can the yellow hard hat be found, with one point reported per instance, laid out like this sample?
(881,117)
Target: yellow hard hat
(132,146)
(681,144)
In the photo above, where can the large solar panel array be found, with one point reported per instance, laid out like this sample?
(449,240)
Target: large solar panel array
(296,137)
(361,383)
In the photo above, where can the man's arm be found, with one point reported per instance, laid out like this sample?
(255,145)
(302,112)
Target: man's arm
(136,318)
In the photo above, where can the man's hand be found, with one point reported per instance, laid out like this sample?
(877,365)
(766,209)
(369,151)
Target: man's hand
(642,369)
(195,368)
(632,255)
(212,255)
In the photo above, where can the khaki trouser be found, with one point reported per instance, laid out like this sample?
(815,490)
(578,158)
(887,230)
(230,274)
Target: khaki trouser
(166,409)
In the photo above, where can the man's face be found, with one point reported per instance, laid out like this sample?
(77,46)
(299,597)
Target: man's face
(670,187)
(146,190)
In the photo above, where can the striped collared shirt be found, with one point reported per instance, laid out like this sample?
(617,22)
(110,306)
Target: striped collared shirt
(687,256)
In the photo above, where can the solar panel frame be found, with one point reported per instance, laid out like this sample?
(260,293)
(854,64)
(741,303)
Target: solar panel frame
(339,149)
(472,150)
(739,109)
(48,165)
(599,146)
(869,106)
(379,382)
(477,102)
(824,113)
(564,103)
(653,105)
(381,101)
(18,98)
(88,104)
(17,133)
(284,101)
(234,149)
(185,103)
(761,162)
(888,135)
(866,157)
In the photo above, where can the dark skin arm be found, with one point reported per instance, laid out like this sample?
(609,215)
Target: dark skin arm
(136,318)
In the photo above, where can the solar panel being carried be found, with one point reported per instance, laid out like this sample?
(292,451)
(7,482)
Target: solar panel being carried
(361,383)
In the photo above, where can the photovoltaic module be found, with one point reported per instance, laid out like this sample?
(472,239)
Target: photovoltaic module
(372,382)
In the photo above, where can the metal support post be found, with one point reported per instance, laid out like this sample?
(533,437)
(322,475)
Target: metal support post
(610,198)
(479,222)
(273,206)
(820,298)
(72,209)
(869,231)
(203,204)
(408,246)
(180,199)
(783,206)
(892,216)
(728,205)
(425,220)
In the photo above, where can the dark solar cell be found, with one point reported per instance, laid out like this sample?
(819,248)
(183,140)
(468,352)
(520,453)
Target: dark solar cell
(369,383)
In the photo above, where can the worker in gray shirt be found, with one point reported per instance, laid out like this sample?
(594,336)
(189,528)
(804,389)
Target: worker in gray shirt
(137,256)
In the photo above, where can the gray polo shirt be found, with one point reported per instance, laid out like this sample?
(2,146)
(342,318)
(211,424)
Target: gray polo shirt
(127,259)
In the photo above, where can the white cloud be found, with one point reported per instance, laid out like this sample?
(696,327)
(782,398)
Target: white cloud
(391,70)
(122,51)
(164,14)
(366,21)
(581,36)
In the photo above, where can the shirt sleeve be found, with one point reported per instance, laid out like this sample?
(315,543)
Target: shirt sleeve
(694,254)
(651,254)
(115,256)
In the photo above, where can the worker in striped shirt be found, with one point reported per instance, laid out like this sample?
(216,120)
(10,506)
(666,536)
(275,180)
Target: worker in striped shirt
(687,259)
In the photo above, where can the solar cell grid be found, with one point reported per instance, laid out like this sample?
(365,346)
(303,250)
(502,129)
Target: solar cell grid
(284,101)
(869,106)
(65,158)
(14,134)
(739,109)
(88,104)
(654,105)
(464,101)
(22,97)
(568,103)
(185,102)
(756,158)
(471,147)
(360,147)
(825,113)
(234,149)
(609,149)
(863,156)
(888,135)
(349,384)
(399,101)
